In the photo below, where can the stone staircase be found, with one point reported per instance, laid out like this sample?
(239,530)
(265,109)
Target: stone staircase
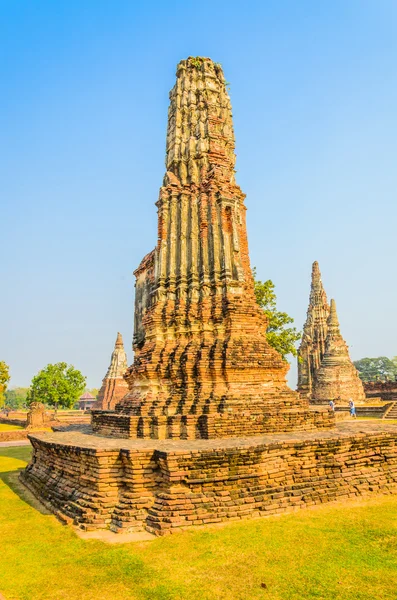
(391,412)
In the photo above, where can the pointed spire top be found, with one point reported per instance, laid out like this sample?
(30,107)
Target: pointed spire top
(119,341)
(316,269)
(118,361)
(317,294)
(333,321)
(114,386)
(316,275)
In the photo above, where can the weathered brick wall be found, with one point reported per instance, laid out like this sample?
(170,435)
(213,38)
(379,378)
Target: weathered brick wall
(221,486)
(182,484)
(13,435)
(387,390)
(78,484)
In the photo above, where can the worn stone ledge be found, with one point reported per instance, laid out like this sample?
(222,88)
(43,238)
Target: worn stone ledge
(89,440)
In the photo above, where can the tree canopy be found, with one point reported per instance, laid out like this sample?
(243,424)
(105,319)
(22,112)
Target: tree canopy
(16,398)
(279,336)
(4,379)
(371,369)
(57,385)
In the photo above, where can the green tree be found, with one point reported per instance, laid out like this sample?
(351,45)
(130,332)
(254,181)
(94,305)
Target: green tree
(58,385)
(394,361)
(4,379)
(16,398)
(279,336)
(370,369)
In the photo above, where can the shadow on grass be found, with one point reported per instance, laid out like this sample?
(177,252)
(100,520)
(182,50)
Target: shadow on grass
(12,480)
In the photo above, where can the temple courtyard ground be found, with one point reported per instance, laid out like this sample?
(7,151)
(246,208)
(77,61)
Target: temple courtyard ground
(340,550)
(7,427)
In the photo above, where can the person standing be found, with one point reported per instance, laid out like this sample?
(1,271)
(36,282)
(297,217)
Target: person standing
(332,405)
(352,409)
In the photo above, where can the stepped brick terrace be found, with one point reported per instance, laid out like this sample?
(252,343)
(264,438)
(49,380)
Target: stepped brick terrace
(161,486)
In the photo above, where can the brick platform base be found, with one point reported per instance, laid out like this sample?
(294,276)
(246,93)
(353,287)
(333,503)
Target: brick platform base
(160,486)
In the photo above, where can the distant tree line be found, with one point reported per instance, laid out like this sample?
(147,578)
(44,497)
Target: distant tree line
(377,369)
(16,398)
(58,385)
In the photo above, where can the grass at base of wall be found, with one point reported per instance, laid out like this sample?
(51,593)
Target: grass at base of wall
(338,551)
(7,427)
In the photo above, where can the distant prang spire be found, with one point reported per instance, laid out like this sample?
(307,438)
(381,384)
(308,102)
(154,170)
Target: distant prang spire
(119,341)
(337,378)
(114,386)
(312,348)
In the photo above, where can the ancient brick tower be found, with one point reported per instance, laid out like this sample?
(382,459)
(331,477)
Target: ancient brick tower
(337,378)
(312,348)
(114,386)
(202,367)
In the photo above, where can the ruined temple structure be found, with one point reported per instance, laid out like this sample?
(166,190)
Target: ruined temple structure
(386,390)
(168,457)
(114,386)
(202,366)
(312,347)
(337,378)
(37,416)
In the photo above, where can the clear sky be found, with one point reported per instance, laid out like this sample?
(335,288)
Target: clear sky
(83,110)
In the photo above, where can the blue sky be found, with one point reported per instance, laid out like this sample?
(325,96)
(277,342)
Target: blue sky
(83,114)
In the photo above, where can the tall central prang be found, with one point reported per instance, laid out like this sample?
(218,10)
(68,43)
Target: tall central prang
(203,369)
(202,366)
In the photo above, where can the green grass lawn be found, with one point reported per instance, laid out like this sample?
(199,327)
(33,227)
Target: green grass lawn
(7,427)
(337,551)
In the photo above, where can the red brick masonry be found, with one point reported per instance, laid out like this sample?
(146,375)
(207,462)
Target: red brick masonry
(162,485)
